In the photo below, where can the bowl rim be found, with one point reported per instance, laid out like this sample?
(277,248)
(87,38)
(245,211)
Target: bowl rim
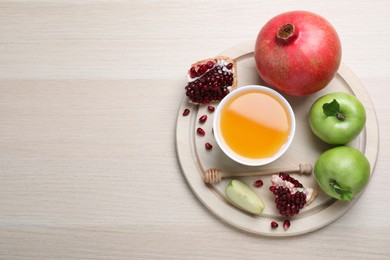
(241,159)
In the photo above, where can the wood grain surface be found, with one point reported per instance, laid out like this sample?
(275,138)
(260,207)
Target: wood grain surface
(88,106)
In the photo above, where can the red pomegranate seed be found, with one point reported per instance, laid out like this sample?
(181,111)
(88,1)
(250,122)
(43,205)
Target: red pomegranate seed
(192,72)
(186,112)
(201,70)
(210,64)
(274,224)
(210,108)
(229,66)
(286,224)
(258,183)
(203,119)
(200,131)
(208,146)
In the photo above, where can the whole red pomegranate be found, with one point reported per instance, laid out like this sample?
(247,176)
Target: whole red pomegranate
(297,53)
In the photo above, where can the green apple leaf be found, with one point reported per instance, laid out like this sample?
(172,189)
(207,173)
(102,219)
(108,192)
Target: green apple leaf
(345,194)
(332,108)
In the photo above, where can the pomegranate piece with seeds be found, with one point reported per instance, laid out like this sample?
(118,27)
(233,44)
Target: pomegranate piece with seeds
(211,80)
(290,195)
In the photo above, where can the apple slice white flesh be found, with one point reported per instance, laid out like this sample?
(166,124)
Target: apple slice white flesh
(243,197)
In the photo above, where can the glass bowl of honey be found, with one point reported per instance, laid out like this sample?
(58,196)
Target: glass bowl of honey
(254,125)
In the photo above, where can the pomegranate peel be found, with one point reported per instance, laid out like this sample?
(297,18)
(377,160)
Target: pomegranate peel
(312,197)
(210,80)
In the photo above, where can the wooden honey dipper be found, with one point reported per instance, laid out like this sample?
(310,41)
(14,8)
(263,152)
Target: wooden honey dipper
(213,175)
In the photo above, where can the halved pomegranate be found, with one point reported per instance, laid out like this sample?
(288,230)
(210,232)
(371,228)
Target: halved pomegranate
(291,195)
(211,79)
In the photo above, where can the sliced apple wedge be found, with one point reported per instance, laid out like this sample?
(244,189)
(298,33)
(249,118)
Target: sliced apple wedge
(243,197)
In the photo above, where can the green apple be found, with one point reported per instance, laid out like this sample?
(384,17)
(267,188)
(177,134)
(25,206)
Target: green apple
(337,118)
(342,172)
(243,197)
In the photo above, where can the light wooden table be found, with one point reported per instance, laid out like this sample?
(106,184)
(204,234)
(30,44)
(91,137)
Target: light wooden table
(89,93)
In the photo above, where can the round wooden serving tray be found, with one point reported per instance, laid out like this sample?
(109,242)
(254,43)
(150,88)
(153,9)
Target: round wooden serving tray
(195,159)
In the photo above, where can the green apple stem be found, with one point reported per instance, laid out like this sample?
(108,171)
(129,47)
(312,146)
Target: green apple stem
(344,193)
(340,116)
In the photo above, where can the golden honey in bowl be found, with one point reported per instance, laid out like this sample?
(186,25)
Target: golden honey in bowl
(255,123)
